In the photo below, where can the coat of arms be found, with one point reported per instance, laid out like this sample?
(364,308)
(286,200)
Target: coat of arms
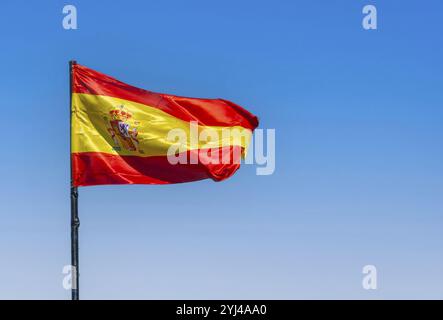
(119,127)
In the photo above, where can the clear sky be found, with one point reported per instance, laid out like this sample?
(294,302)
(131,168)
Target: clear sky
(358,118)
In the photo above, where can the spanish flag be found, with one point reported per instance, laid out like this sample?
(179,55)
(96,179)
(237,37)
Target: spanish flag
(121,134)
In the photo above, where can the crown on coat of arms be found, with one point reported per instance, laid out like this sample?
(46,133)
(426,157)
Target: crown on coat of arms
(120,114)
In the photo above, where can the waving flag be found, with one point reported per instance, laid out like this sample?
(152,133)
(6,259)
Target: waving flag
(121,134)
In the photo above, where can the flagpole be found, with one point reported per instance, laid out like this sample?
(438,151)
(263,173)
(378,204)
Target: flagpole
(75,222)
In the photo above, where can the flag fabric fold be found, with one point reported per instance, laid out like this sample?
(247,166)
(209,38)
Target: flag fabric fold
(121,134)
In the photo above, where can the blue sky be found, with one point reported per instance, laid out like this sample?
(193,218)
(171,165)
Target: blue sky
(358,118)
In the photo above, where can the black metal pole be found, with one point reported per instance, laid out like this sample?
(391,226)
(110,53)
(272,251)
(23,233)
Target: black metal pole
(75,222)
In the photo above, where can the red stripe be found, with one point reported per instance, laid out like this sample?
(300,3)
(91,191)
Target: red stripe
(209,112)
(95,168)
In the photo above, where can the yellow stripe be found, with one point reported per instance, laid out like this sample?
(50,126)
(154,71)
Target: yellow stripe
(92,129)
